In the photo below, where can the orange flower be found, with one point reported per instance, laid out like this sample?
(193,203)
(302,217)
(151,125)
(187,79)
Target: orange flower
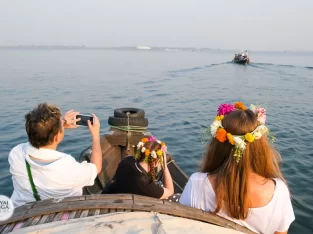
(147,152)
(230,138)
(240,106)
(163,144)
(144,140)
(221,135)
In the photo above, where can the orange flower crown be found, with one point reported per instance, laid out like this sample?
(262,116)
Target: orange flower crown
(218,131)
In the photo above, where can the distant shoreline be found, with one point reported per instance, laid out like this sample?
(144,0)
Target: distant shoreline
(139,48)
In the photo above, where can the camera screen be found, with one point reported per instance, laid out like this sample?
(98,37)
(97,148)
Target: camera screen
(83,120)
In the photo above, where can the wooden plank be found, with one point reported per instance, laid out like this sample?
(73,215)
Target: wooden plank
(78,213)
(148,199)
(50,218)
(27,222)
(87,204)
(65,215)
(110,161)
(91,212)
(123,196)
(34,221)
(75,198)
(44,202)
(27,206)
(57,217)
(84,214)
(72,215)
(43,219)
(105,145)
(2,227)
(104,211)
(52,201)
(8,228)
(17,226)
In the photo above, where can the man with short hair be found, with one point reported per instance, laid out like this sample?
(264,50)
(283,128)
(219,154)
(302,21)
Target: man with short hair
(38,170)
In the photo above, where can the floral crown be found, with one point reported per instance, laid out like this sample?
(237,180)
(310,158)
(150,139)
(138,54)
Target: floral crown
(150,155)
(218,131)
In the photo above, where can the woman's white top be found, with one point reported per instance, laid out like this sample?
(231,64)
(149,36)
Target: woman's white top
(277,215)
(63,177)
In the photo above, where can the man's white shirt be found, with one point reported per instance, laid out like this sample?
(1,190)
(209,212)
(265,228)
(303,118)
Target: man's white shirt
(62,177)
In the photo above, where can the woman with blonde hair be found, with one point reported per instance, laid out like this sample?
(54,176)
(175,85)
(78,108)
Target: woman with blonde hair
(240,178)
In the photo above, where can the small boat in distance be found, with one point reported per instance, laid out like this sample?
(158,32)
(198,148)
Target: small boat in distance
(241,58)
(143,48)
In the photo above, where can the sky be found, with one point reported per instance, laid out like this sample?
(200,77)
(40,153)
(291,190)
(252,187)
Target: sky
(219,24)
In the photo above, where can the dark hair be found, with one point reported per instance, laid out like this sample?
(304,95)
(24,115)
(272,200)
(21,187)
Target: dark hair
(230,176)
(42,124)
(150,145)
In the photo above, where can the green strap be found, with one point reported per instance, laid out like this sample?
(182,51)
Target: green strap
(35,192)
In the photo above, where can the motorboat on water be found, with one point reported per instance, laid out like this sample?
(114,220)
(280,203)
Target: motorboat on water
(94,212)
(241,58)
(143,48)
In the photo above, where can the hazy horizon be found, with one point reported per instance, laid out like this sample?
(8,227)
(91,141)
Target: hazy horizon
(133,47)
(227,25)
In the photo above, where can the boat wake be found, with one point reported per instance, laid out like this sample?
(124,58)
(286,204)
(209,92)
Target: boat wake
(263,65)
(251,64)
(196,68)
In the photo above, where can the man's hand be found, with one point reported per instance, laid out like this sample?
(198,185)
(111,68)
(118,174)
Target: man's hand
(95,127)
(70,119)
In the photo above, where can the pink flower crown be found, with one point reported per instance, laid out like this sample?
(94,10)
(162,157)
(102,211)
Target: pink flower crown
(218,131)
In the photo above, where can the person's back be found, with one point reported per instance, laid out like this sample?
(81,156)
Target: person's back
(240,178)
(265,214)
(38,170)
(52,179)
(136,174)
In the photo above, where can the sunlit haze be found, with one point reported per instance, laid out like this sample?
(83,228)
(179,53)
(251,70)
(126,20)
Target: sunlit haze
(243,24)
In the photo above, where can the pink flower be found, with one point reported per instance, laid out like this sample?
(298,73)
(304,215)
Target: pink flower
(224,109)
(152,138)
(261,113)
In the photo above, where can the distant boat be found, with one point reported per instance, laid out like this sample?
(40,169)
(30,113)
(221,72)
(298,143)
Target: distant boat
(143,48)
(241,58)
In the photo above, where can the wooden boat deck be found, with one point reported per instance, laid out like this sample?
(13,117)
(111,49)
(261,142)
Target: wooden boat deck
(136,222)
(52,210)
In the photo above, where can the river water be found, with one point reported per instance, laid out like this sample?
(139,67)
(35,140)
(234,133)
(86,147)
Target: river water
(179,91)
